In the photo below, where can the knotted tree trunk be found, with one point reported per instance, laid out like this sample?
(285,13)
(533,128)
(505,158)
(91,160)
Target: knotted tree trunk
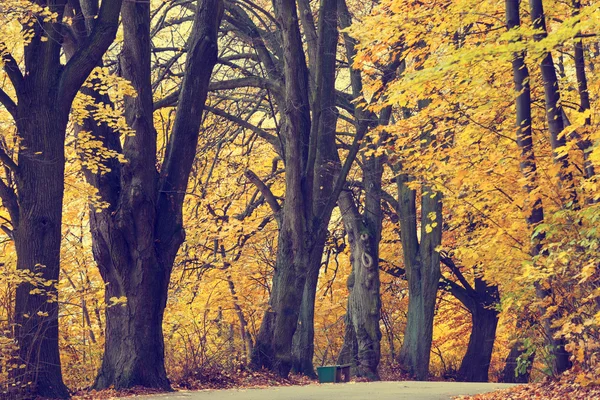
(136,239)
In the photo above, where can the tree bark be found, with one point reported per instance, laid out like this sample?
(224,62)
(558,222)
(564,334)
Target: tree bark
(136,240)
(584,96)
(475,364)
(44,94)
(37,241)
(525,142)
(422,263)
(364,301)
(303,347)
(310,158)
(510,374)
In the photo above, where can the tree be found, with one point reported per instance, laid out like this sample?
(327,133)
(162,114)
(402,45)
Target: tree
(481,299)
(309,153)
(136,239)
(44,91)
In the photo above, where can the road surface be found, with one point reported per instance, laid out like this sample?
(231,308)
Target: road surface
(343,391)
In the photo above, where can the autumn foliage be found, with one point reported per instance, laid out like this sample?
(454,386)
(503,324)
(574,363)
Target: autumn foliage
(517,203)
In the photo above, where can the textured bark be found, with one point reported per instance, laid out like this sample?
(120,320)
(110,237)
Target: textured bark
(422,263)
(37,240)
(363,336)
(33,197)
(482,301)
(135,241)
(364,301)
(310,159)
(303,347)
(528,162)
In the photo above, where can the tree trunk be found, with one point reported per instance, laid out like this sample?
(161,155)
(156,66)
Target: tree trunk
(476,362)
(422,263)
(364,301)
(44,92)
(37,241)
(308,149)
(303,347)
(525,142)
(136,240)
(510,374)
(134,344)
(481,299)
(584,96)
(274,341)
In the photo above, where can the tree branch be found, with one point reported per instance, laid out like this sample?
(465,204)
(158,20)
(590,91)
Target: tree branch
(10,201)
(88,55)
(8,103)
(8,161)
(264,190)
(447,261)
(11,67)
(272,139)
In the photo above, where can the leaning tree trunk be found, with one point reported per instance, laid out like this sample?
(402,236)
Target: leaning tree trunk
(37,241)
(475,364)
(422,263)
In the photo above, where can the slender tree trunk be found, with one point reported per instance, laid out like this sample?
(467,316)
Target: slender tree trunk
(525,142)
(422,263)
(554,110)
(584,96)
(37,240)
(364,301)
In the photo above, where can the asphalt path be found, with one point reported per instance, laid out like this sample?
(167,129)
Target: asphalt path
(342,391)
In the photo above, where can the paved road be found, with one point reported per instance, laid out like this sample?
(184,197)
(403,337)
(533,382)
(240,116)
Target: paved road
(341,391)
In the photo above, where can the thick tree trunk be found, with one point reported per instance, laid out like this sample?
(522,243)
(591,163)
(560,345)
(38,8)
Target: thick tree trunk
(349,352)
(134,344)
(273,349)
(476,362)
(136,240)
(37,240)
(308,149)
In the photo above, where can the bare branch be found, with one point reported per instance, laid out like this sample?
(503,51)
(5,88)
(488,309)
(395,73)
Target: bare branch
(265,191)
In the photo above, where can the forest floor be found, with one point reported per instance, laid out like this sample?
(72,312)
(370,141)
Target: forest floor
(347,391)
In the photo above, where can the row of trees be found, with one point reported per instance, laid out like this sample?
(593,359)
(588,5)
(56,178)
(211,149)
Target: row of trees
(435,103)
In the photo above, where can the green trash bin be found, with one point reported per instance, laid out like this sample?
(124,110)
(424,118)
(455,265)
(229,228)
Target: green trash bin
(327,374)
